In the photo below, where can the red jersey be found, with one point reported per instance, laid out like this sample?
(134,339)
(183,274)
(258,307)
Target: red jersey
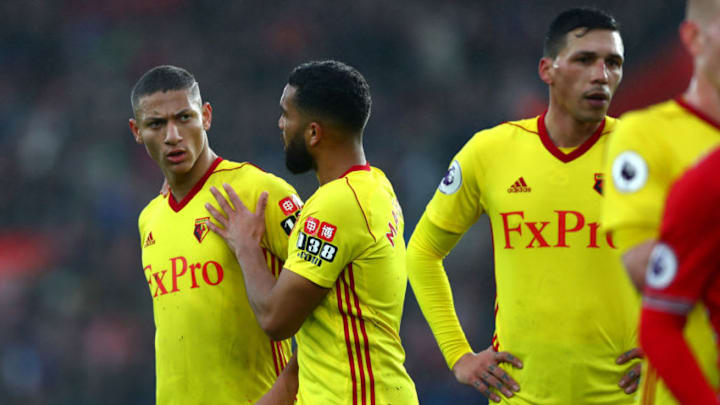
(684,268)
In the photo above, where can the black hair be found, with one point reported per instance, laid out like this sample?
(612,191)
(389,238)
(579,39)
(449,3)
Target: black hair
(333,90)
(569,20)
(163,78)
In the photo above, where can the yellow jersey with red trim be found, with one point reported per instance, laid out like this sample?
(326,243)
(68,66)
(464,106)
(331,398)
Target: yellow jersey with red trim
(209,347)
(349,238)
(564,305)
(647,153)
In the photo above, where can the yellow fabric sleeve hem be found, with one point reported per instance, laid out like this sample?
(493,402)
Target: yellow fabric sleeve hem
(428,246)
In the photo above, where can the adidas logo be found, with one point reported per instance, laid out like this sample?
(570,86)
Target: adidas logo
(149,241)
(519,187)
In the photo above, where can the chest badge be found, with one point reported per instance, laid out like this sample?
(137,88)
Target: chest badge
(598,183)
(201,228)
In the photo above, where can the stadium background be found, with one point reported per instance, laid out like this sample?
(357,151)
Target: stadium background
(75,314)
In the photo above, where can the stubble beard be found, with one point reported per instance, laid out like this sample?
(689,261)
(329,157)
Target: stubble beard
(297,158)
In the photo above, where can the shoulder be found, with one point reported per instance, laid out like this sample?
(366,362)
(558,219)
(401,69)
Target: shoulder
(500,136)
(651,116)
(151,208)
(350,194)
(500,132)
(247,173)
(610,124)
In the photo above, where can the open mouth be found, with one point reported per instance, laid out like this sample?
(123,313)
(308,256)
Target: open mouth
(176,156)
(598,99)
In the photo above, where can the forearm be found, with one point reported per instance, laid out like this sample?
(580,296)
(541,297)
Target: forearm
(636,262)
(426,249)
(259,283)
(285,389)
(661,337)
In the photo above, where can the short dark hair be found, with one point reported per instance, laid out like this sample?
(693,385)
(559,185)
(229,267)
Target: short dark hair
(163,78)
(569,20)
(334,90)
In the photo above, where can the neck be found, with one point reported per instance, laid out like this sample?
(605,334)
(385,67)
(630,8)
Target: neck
(566,131)
(703,96)
(331,164)
(181,184)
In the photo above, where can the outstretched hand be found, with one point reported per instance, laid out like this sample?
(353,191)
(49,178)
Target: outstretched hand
(241,229)
(629,382)
(481,371)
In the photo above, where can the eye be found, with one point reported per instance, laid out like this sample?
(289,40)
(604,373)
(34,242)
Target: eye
(154,124)
(185,117)
(614,63)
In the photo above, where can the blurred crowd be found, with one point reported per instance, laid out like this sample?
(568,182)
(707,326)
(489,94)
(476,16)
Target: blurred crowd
(75,313)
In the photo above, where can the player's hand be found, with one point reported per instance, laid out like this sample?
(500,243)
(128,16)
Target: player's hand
(629,382)
(241,229)
(481,371)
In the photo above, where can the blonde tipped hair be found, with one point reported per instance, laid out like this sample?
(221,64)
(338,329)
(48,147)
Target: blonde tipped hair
(701,11)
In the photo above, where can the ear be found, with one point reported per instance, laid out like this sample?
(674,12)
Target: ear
(690,37)
(206,116)
(545,70)
(314,134)
(135,130)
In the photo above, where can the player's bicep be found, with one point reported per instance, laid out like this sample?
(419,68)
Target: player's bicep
(456,204)
(296,298)
(324,241)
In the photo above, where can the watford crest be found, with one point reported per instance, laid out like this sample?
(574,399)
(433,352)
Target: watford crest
(598,183)
(201,228)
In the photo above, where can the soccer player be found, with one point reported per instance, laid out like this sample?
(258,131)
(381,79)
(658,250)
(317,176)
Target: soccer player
(209,347)
(648,151)
(565,312)
(684,268)
(343,285)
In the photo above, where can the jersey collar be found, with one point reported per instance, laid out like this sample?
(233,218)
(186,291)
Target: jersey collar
(177,206)
(365,167)
(684,104)
(575,153)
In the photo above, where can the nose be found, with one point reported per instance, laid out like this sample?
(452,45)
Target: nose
(280,122)
(172,135)
(600,72)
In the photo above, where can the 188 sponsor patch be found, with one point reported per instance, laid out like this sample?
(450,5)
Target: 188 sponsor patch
(315,250)
(290,207)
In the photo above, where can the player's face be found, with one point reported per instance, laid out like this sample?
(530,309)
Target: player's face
(293,126)
(172,127)
(585,74)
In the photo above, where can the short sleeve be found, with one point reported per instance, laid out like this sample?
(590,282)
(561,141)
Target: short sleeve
(639,177)
(332,230)
(281,214)
(687,256)
(456,204)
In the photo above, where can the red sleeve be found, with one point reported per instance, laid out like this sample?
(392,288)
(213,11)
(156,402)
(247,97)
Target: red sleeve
(681,267)
(661,337)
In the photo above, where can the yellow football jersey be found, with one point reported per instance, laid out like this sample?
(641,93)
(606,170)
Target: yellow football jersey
(564,305)
(349,239)
(209,347)
(650,149)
